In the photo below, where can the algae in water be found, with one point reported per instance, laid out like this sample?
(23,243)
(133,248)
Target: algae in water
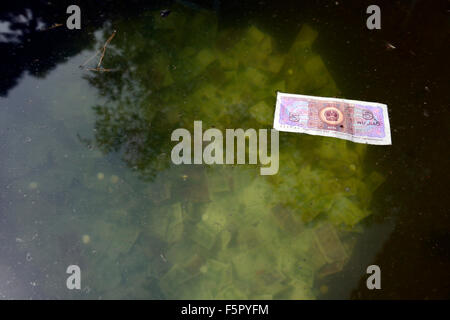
(227,232)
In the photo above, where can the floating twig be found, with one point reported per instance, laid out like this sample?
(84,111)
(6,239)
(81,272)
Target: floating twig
(56,25)
(104,48)
(102,69)
(389,46)
(102,51)
(96,54)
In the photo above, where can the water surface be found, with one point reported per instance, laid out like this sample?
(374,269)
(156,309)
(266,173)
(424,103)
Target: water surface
(87,177)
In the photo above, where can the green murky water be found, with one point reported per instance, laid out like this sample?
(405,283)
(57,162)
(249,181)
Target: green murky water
(87,177)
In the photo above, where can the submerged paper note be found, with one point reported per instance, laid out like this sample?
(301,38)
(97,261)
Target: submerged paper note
(357,121)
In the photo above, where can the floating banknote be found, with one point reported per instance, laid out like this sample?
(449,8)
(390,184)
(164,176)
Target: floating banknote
(357,121)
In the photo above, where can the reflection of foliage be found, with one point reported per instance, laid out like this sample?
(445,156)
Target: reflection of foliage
(145,96)
(27,48)
(171,72)
(178,69)
(119,129)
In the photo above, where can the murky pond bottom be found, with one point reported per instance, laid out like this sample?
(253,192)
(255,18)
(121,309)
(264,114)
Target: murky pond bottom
(89,179)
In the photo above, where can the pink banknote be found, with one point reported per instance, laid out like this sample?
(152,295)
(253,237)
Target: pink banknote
(357,121)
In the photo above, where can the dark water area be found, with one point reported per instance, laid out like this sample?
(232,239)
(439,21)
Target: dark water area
(56,118)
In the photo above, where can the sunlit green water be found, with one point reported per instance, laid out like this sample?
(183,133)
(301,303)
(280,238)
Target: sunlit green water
(149,229)
(89,179)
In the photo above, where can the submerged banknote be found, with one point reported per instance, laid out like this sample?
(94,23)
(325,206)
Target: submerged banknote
(357,121)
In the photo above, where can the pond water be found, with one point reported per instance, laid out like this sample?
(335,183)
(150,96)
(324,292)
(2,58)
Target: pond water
(87,178)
